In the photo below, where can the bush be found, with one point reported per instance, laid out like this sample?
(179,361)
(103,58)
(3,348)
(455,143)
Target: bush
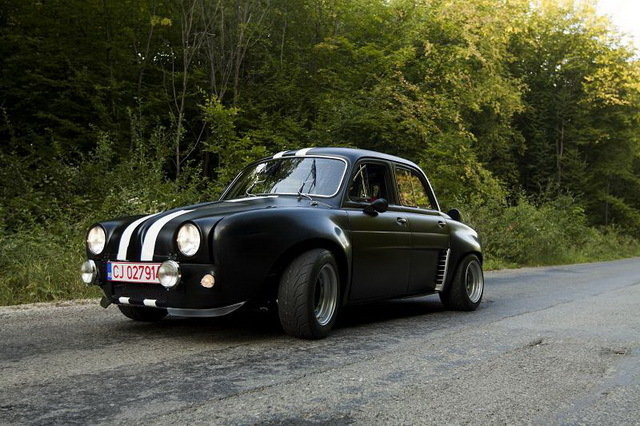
(550,232)
(42,264)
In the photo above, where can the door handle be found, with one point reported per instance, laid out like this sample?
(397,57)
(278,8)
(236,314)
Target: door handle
(441,224)
(401,221)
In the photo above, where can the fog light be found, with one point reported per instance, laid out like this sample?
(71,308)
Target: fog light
(88,272)
(208,281)
(169,274)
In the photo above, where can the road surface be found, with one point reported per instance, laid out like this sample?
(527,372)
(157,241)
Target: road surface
(557,345)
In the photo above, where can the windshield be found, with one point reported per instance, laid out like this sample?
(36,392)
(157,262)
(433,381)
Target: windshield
(290,176)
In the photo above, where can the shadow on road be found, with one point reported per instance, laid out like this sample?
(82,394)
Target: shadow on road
(380,312)
(257,325)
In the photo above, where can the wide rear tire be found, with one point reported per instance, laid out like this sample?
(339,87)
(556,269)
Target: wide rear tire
(139,313)
(465,291)
(309,295)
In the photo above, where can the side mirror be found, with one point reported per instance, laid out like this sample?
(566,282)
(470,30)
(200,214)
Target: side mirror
(455,215)
(380,205)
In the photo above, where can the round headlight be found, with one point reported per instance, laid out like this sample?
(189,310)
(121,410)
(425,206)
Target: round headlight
(96,239)
(88,272)
(169,273)
(188,239)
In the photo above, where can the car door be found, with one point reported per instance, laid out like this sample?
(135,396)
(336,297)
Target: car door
(381,243)
(429,229)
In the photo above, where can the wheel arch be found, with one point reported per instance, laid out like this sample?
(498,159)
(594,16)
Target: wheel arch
(477,253)
(455,262)
(301,247)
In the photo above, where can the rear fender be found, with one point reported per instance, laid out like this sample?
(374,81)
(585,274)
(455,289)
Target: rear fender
(464,241)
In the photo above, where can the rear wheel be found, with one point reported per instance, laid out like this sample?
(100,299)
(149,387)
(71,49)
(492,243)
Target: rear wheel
(308,295)
(467,287)
(139,313)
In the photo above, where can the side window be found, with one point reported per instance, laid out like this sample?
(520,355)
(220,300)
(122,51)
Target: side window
(369,183)
(411,191)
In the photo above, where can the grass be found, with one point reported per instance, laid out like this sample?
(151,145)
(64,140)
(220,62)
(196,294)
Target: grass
(35,268)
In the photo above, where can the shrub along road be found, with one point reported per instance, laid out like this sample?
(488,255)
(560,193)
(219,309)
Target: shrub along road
(548,345)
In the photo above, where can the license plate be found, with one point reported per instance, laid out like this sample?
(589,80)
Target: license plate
(132,272)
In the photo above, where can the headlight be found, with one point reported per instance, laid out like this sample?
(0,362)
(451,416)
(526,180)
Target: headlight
(88,272)
(188,239)
(169,274)
(96,239)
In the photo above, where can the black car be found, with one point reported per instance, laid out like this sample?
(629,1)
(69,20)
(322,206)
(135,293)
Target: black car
(305,232)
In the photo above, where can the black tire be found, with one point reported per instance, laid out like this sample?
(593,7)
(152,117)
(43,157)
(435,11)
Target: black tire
(457,296)
(140,313)
(309,295)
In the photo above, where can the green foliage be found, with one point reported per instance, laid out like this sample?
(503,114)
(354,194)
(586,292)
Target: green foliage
(38,268)
(544,233)
(233,152)
(115,108)
(580,123)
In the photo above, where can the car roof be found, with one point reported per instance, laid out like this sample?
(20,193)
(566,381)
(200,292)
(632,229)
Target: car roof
(351,154)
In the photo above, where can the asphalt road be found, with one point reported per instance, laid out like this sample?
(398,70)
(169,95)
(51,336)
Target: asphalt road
(556,345)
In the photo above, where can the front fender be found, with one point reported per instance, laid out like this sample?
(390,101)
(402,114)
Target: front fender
(247,246)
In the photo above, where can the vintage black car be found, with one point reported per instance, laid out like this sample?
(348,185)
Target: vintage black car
(305,232)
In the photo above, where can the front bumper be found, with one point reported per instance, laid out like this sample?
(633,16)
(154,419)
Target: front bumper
(183,299)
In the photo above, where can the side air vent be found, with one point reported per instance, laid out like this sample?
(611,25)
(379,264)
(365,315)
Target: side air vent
(443,262)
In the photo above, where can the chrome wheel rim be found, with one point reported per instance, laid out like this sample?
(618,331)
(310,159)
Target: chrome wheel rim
(474,281)
(325,295)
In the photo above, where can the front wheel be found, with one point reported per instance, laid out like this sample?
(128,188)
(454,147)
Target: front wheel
(139,313)
(308,295)
(467,287)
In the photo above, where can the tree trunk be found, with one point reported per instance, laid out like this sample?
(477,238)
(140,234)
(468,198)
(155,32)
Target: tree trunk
(606,204)
(560,152)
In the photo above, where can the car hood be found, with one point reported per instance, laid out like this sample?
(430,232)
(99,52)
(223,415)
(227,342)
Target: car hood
(151,237)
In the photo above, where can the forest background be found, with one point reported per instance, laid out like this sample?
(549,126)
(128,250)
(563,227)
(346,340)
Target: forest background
(524,114)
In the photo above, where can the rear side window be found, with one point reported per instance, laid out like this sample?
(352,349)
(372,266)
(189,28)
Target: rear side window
(369,183)
(411,190)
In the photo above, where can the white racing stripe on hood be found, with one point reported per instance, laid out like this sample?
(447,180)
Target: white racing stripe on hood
(149,244)
(126,237)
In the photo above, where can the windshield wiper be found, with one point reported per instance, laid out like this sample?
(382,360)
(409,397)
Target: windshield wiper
(313,173)
(303,194)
